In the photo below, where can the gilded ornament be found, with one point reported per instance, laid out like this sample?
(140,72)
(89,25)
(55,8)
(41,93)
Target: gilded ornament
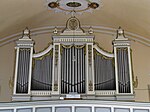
(135,82)
(53,4)
(50,53)
(93,5)
(90,54)
(73,23)
(11,84)
(70,46)
(56,54)
(55,86)
(103,56)
(73,4)
(90,86)
(102,48)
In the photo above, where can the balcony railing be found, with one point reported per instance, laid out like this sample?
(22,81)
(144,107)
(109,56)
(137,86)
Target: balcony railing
(75,106)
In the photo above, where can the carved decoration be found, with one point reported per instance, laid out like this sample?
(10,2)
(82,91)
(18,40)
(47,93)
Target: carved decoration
(11,83)
(135,82)
(90,54)
(56,54)
(78,6)
(90,86)
(55,86)
(73,24)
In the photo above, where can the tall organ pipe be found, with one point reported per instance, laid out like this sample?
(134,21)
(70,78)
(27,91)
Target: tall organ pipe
(123,70)
(23,70)
(74,74)
(42,73)
(104,72)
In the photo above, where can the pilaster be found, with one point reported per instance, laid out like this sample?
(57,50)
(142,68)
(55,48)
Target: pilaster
(56,69)
(90,69)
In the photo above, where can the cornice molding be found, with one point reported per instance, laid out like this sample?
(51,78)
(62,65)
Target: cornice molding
(97,29)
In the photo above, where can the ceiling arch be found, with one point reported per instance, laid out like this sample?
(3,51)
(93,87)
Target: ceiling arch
(133,16)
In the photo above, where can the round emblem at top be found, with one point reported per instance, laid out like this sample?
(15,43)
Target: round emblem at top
(73,23)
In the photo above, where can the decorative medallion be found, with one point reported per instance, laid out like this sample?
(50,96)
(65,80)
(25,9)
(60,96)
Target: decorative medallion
(73,4)
(73,27)
(73,23)
(77,6)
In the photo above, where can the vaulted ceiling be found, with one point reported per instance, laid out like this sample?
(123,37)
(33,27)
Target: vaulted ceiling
(132,15)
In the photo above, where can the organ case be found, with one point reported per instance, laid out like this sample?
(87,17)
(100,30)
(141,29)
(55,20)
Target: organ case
(73,63)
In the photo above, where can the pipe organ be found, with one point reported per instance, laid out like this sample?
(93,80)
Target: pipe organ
(123,70)
(23,69)
(104,72)
(73,64)
(73,69)
(42,72)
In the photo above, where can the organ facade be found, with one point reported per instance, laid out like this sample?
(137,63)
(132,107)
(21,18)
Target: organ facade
(73,66)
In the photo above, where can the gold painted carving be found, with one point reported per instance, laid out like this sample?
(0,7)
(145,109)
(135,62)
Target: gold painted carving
(24,49)
(76,46)
(56,54)
(11,84)
(73,24)
(102,48)
(90,54)
(124,48)
(55,86)
(103,56)
(135,82)
(90,86)
(47,54)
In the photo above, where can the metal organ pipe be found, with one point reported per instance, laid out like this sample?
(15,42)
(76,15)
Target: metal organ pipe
(75,70)
(104,72)
(81,69)
(42,73)
(79,83)
(23,70)
(67,72)
(62,77)
(123,70)
(65,64)
(82,51)
(70,71)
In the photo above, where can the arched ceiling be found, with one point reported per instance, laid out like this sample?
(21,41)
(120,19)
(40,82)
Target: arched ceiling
(132,15)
